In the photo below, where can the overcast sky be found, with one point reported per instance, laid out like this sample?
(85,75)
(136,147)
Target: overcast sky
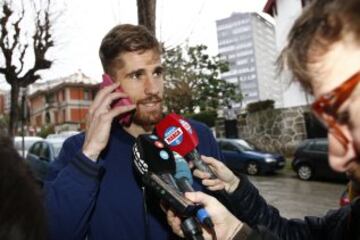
(84,23)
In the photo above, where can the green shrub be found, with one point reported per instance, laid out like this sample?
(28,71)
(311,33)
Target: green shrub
(46,130)
(207,117)
(260,105)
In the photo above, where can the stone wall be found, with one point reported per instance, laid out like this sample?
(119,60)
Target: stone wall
(273,130)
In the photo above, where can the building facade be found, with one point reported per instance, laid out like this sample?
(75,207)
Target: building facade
(5,99)
(63,102)
(285,12)
(247,42)
(2,102)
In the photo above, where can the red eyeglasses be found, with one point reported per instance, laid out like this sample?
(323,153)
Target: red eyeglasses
(326,107)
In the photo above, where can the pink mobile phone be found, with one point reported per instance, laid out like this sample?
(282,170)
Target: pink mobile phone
(125,118)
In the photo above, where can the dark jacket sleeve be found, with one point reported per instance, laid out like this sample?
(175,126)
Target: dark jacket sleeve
(261,233)
(249,206)
(70,192)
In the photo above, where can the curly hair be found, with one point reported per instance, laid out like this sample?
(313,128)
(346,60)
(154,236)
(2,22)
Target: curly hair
(22,216)
(321,24)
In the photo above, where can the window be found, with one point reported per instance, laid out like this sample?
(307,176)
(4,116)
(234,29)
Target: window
(319,146)
(86,94)
(64,115)
(50,98)
(44,152)
(227,146)
(35,149)
(47,117)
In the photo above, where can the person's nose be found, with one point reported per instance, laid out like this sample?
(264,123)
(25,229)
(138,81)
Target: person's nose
(152,86)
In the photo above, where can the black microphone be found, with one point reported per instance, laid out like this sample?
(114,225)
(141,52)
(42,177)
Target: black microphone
(155,162)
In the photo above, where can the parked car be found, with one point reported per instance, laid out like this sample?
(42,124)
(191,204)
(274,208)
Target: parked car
(28,141)
(64,134)
(241,156)
(41,154)
(311,161)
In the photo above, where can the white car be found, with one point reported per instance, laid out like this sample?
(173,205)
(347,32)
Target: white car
(28,141)
(64,134)
(41,154)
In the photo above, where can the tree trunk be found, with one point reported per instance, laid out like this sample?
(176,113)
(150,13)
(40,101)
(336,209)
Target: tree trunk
(13,109)
(147,14)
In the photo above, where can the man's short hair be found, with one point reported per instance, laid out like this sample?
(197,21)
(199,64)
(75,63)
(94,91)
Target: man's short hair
(125,38)
(321,24)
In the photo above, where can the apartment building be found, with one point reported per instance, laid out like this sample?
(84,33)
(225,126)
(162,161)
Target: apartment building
(63,102)
(247,42)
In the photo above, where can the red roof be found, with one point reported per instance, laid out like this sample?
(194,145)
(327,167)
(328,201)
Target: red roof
(270,4)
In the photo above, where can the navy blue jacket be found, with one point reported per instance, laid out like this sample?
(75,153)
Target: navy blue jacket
(104,200)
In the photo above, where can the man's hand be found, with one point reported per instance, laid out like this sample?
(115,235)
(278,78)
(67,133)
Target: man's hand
(99,120)
(225,177)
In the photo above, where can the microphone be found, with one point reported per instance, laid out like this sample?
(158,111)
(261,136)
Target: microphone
(184,181)
(181,138)
(182,170)
(155,163)
(159,158)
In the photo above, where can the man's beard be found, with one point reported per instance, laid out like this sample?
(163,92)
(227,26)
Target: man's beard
(148,119)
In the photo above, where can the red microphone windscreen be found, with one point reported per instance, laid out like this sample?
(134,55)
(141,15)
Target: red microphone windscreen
(177,133)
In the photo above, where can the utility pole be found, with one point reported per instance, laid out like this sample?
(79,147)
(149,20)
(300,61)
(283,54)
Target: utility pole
(147,14)
(23,118)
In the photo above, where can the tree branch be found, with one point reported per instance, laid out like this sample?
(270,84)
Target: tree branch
(21,58)
(17,31)
(42,41)
(9,71)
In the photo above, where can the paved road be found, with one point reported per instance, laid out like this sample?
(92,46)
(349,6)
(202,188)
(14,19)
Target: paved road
(295,198)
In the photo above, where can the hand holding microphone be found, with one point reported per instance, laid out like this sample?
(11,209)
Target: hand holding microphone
(226,179)
(226,225)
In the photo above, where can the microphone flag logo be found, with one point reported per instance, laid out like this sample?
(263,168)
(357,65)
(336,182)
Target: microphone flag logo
(173,136)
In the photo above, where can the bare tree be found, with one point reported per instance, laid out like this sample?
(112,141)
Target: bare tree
(15,46)
(147,14)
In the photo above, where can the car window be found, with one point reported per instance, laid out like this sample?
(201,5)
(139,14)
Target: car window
(35,149)
(228,146)
(45,151)
(319,146)
(245,146)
